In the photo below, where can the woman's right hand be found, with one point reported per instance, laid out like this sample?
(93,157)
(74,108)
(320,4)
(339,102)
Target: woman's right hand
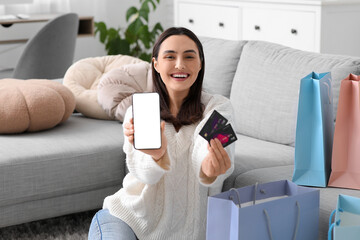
(156,154)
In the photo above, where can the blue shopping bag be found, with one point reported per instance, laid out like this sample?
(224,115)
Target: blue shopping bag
(347,219)
(278,210)
(314,131)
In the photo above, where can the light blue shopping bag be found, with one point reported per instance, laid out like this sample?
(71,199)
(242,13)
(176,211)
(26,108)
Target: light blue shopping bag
(314,131)
(278,210)
(346,225)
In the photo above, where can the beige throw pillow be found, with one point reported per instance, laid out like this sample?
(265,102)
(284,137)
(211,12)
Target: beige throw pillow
(33,105)
(83,78)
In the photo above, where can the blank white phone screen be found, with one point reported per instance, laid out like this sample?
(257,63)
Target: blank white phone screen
(146,115)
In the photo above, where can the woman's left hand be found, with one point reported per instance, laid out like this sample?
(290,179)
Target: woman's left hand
(217,161)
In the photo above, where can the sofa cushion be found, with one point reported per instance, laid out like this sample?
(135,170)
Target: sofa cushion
(80,155)
(83,77)
(220,64)
(266,85)
(251,153)
(33,105)
(328,196)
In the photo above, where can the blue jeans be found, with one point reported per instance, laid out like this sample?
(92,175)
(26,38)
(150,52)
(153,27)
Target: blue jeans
(105,226)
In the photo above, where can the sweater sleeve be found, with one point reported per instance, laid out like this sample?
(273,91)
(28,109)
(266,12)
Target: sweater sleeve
(224,107)
(142,165)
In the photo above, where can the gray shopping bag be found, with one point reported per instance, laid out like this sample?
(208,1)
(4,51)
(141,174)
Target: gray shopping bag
(278,210)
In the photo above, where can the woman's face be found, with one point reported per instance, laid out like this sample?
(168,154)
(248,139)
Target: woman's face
(178,63)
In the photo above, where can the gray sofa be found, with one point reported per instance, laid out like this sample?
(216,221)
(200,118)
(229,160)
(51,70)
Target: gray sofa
(72,167)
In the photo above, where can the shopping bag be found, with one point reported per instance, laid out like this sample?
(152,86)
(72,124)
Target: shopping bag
(346,149)
(278,210)
(314,131)
(347,219)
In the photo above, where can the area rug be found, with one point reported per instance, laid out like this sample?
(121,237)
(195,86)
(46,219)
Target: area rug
(68,227)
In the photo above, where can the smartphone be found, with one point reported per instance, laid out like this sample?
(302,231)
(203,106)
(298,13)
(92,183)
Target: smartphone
(146,116)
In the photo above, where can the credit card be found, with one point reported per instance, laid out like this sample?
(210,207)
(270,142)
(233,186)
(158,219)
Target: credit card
(215,122)
(226,135)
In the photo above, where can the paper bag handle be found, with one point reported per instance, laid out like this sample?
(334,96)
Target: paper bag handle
(237,195)
(296,225)
(330,231)
(332,225)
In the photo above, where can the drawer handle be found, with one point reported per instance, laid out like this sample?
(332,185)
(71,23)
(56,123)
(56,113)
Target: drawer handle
(221,24)
(294,31)
(191,20)
(6,25)
(257,27)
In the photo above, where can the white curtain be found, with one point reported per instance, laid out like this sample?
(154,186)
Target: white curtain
(39,6)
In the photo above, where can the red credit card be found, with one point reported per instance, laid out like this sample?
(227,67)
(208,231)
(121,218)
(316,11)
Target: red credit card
(226,135)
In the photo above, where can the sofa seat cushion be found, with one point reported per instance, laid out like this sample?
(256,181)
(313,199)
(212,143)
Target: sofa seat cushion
(79,155)
(328,196)
(83,78)
(252,153)
(266,85)
(33,105)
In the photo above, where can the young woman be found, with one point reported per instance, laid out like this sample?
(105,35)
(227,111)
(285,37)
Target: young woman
(164,195)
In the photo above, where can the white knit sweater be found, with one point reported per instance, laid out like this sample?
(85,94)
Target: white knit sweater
(168,199)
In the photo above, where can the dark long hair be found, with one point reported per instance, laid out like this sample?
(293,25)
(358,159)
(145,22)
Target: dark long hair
(191,109)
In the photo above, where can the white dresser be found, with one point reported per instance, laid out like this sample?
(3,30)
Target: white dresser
(328,26)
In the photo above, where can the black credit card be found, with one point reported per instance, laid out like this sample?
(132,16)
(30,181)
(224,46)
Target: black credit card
(226,135)
(215,122)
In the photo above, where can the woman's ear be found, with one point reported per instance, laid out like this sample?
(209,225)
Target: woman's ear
(155,63)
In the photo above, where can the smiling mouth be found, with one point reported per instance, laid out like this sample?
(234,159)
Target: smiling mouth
(180,77)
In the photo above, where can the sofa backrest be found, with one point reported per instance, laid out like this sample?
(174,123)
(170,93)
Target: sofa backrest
(265,89)
(221,60)
(263,80)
